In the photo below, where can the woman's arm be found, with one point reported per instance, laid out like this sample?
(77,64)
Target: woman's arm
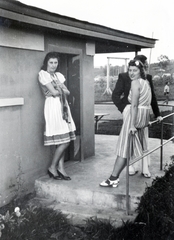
(64,88)
(135,87)
(60,83)
(54,92)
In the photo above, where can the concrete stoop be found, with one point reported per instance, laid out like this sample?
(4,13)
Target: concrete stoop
(66,192)
(82,197)
(80,214)
(80,203)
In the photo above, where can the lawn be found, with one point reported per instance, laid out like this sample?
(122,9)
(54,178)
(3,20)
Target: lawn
(113,127)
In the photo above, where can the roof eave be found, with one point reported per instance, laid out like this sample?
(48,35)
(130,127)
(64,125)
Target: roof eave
(42,18)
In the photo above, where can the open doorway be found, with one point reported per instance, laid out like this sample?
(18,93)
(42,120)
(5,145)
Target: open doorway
(70,68)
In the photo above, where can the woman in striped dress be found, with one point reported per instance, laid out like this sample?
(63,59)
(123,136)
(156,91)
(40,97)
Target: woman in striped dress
(59,125)
(135,119)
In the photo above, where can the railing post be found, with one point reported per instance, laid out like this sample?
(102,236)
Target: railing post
(161,148)
(127,187)
(129,157)
(127,172)
(173,122)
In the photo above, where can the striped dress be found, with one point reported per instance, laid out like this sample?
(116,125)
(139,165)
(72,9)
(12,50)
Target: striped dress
(139,141)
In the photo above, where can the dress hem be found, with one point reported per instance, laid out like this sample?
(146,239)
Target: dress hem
(59,139)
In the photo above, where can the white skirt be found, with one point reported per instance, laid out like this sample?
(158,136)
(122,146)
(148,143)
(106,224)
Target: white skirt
(57,130)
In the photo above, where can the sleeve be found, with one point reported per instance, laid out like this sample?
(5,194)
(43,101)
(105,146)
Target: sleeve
(44,77)
(119,101)
(61,77)
(154,103)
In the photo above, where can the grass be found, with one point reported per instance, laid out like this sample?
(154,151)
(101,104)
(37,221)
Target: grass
(113,127)
(35,222)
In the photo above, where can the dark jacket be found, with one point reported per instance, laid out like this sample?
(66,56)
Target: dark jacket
(121,92)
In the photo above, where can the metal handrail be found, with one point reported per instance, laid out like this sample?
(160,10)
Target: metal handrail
(151,151)
(144,155)
(150,123)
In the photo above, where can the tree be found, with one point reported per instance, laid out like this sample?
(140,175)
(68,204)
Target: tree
(164,62)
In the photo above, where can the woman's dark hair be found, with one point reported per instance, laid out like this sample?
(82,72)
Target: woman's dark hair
(140,65)
(47,58)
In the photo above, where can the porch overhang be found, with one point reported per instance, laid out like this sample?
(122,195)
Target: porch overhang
(107,40)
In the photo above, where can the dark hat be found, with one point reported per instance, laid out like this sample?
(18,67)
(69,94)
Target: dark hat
(141,58)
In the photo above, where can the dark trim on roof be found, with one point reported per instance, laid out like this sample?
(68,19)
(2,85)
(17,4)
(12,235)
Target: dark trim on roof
(20,12)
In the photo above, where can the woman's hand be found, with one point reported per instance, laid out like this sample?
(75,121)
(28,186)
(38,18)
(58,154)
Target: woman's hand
(53,91)
(159,118)
(64,88)
(58,93)
(132,130)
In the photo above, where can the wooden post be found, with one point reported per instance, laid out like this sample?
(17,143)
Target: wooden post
(173,123)
(125,66)
(161,149)
(108,70)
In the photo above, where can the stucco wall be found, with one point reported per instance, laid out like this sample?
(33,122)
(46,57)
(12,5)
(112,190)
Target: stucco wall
(88,107)
(22,154)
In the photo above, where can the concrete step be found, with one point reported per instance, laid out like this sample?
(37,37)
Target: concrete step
(70,192)
(79,214)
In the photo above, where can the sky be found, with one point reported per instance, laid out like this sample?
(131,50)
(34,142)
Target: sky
(148,18)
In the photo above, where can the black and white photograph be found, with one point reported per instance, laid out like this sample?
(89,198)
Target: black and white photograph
(86,120)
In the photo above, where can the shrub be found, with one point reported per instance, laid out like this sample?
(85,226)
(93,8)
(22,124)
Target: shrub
(33,223)
(104,230)
(156,207)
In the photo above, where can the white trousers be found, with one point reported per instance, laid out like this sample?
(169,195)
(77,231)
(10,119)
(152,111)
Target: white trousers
(143,165)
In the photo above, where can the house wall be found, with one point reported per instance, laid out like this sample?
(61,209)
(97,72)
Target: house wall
(87,106)
(22,154)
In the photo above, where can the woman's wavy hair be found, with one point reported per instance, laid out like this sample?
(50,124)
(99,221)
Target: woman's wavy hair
(140,65)
(47,58)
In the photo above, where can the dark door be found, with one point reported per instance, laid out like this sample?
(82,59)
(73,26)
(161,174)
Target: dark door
(73,84)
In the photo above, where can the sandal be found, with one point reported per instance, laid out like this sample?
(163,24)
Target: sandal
(110,183)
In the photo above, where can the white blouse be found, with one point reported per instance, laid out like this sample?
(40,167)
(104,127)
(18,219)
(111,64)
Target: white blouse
(45,77)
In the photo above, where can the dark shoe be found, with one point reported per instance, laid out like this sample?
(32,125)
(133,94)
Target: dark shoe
(51,175)
(63,176)
(110,183)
